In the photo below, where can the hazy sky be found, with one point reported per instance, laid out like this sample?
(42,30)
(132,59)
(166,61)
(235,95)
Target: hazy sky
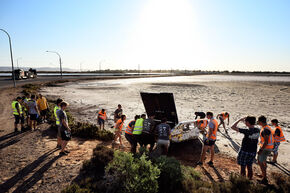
(157,34)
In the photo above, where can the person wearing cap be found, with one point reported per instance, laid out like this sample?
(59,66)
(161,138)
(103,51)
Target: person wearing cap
(278,138)
(18,113)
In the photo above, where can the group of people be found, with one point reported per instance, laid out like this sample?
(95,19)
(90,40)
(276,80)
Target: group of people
(270,139)
(143,131)
(33,108)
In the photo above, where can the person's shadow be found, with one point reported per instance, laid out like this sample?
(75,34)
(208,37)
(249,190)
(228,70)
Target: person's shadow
(234,145)
(26,171)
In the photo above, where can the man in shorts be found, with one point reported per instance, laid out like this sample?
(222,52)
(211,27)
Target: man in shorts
(209,140)
(266,146)
(33,112)
(118,113)
(278,138)
(18,113)
(248,149)
(65,131)
(43,107)
(163,131)
(223,117)
(102,117)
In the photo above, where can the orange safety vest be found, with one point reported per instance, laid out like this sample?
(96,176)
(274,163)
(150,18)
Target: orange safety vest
(102,115)
(203,123)
(225,116)
(214,132)
(270,144)
(129,130)
(119,124)
(281,138)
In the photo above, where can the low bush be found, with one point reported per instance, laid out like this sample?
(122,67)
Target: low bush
(128,175)
(74,188)
(170,179)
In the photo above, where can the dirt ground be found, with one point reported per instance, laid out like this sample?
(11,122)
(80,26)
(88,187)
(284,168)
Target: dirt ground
(29,161)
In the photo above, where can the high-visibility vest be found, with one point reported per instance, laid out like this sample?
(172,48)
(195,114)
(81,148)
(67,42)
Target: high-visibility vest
(129,130)
(224,116)
(102,115)
(203,123)
(15,112)
(281,138)
(270,144)
(138,128)
(56,108)
(214,132)
(119,124)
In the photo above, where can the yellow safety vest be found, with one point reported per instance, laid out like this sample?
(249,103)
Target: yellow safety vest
(138,128)
(56,108)
(15,112)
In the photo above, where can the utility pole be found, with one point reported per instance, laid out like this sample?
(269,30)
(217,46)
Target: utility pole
(11,56)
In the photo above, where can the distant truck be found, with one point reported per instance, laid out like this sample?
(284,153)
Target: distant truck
(20,74)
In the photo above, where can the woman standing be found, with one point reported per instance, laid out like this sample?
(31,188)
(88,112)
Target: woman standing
(118,130)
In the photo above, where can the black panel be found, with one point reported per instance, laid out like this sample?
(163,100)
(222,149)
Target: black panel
(160,105)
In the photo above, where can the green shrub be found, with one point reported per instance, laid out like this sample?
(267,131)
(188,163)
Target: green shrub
(282,182)
(170,174)
(74,188)
(128,175)
(95,167)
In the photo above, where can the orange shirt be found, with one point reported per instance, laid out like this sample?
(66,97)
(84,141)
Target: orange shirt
(42,103)
(119,124)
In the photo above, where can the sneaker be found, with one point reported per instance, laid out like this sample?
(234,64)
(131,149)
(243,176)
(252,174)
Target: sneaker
(199,163)
(67,151)
(210,163)
(62,153)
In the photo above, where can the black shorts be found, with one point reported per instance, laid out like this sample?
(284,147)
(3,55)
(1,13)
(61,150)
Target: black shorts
(147,139)
(65,135)
(101,121)
(221,120)
(33,117)
(19,118)
(43,112)
(209,142)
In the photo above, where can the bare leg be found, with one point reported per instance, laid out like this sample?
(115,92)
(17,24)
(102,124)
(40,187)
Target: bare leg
(275,157)
(204,150)
(243,170)
(63,145)
(250,172)
(59,141)
(225,127)
(211,153)
(263,169)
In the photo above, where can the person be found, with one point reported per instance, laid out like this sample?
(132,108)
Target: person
(222,117)
(278,138)
(118,113)
(102,116)
(118,130)
(248,150)
(18,113)
(209,140)
(201,115)
(43,107)
(138,128)
(64,128)
(201,125)
(25,101)
(148,133)
(266,146)
(57,122)
(33,112)
(163,133)
(129,134)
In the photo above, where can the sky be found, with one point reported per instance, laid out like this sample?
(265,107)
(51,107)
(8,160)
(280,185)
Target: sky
(246,35)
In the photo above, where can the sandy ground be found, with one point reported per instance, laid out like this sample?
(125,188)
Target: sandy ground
(238,95)
(29,161)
